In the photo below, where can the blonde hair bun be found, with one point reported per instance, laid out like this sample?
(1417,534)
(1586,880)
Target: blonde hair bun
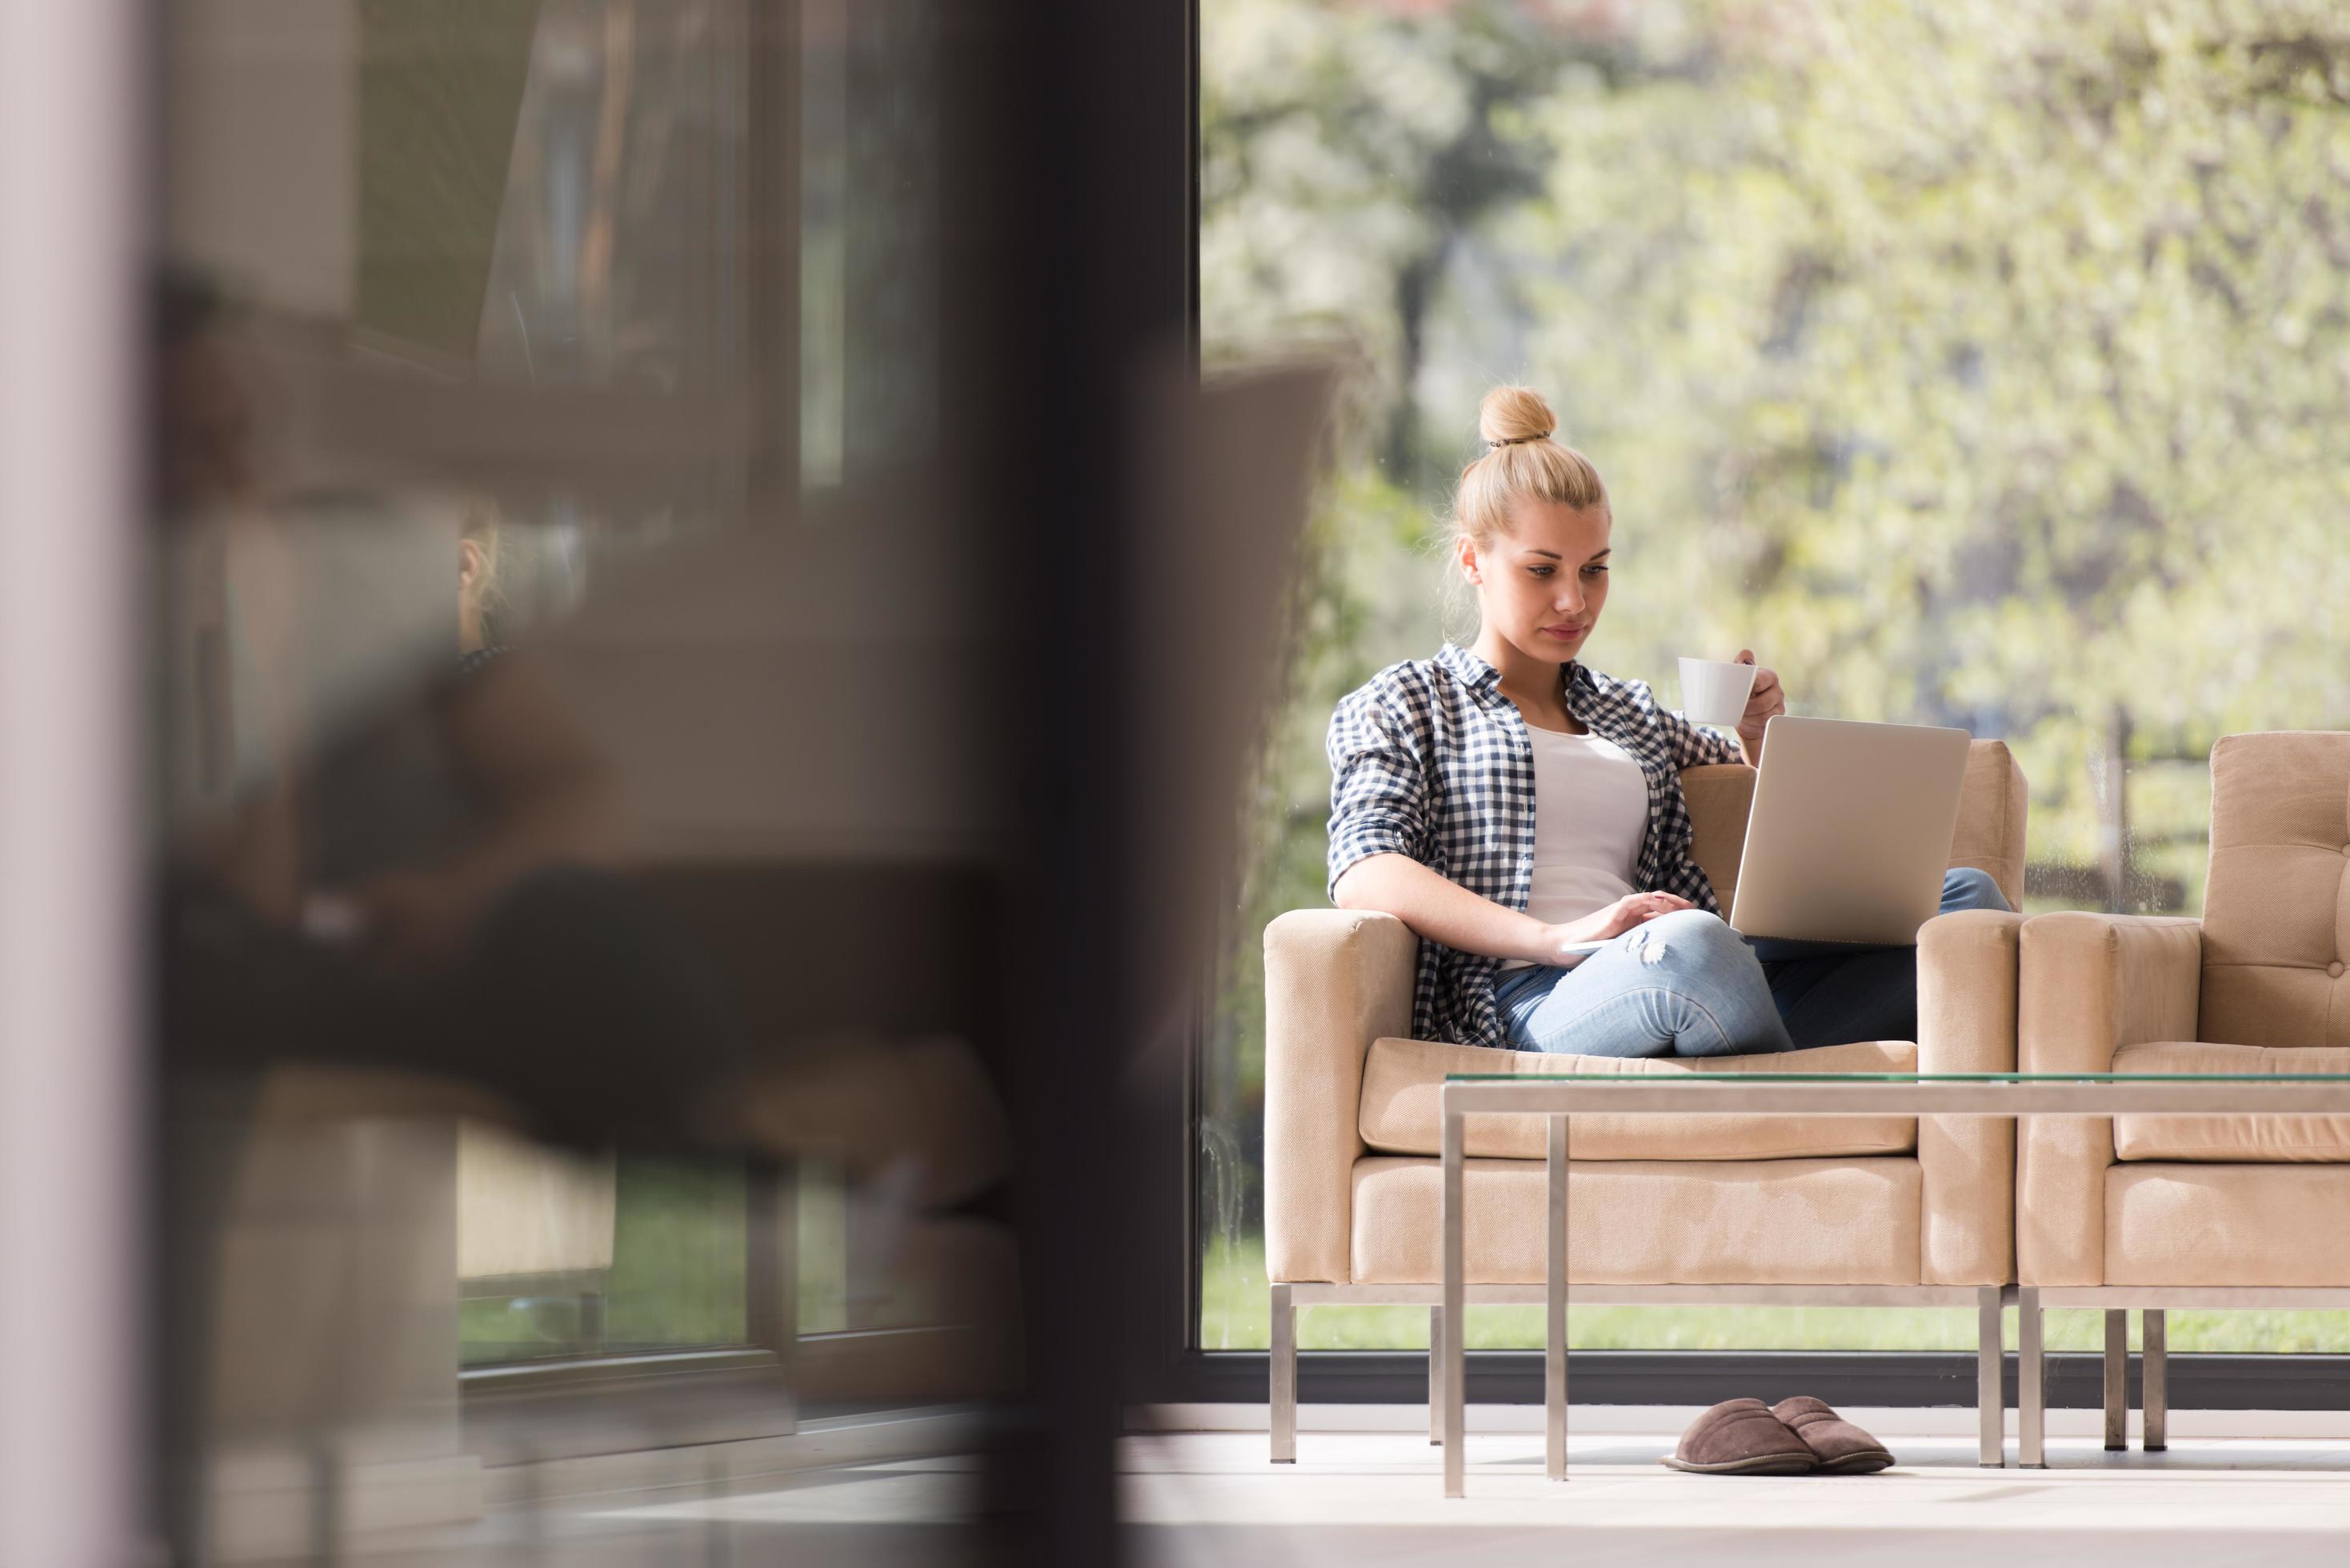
(1520,463)
(1513,414)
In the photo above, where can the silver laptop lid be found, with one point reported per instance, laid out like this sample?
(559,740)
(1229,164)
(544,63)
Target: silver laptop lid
(1850,830)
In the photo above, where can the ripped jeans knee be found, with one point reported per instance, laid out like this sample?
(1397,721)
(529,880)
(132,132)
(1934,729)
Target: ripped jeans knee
(1681,984)
(1692,940)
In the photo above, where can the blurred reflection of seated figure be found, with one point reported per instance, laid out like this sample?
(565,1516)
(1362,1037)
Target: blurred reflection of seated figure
(391,844)
(411,867)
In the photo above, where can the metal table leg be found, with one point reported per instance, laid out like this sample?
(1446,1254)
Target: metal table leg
(1990,1400)
(1456,1293)
(1435,1375)
(2117,1380)
(2031,1383)
(1554,1308)
(2157,1395)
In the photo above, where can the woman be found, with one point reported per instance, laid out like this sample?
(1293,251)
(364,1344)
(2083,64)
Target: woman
(1508,802)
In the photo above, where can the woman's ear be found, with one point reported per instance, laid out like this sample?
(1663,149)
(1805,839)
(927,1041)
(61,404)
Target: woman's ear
(469,564)
(1465,548)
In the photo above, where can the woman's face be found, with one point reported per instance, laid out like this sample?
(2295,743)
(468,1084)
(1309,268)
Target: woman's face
(1542,584)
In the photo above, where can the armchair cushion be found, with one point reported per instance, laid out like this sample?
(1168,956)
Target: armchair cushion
(2267,1141)
(1402,1080)
(1774,1221)
(2269,1225)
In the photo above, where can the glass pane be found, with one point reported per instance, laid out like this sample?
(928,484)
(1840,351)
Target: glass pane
(2004,413)
(577,716)
(454,335)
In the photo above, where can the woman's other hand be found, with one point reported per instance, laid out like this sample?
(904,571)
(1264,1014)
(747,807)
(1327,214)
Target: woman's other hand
(1765,703)
(1632,910)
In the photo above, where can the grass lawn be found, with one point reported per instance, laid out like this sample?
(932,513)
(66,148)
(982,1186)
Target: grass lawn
(1234,1316)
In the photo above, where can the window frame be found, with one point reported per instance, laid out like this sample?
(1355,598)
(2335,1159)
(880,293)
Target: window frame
(1172,1367)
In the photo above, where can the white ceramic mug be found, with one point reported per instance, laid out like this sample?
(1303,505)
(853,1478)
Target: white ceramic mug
(1714,690)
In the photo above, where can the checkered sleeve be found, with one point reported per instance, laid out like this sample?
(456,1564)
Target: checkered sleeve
(1379,784)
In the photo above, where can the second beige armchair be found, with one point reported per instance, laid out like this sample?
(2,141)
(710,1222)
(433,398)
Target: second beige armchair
(2161,1212)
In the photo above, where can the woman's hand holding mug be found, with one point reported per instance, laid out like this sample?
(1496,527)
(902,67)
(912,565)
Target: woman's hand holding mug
(1764,702)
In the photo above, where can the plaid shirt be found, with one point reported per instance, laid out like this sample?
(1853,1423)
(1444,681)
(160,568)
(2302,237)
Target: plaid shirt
(1429,759)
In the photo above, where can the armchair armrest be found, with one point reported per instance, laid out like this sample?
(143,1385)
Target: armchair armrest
(1335,981)
(1966,1023)
(2088,984)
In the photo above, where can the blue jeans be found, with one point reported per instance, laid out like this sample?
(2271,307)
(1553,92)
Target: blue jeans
(1685,984)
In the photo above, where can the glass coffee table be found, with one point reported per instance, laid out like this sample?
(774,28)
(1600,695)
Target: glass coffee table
(2011,1094)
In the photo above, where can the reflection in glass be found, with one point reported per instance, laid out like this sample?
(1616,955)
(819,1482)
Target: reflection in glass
(563,979)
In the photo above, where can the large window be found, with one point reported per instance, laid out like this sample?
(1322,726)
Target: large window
(1978,364)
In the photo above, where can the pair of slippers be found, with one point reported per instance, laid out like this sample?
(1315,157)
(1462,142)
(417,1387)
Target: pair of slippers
(1795,1436)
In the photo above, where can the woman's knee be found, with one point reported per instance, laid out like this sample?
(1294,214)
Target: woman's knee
(1969,887)
(1697,933)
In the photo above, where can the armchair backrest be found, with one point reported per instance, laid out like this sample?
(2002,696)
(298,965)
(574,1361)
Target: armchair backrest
(1990,836)
(2276,908)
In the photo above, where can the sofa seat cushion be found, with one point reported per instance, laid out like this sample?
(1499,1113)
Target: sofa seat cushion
(1402,1078)
(1782,1222)
(2250,1140)
(2203,1225)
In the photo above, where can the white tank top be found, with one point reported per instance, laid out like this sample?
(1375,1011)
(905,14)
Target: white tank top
(1591,816)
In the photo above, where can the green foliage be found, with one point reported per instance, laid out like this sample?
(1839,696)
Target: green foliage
(1982,362)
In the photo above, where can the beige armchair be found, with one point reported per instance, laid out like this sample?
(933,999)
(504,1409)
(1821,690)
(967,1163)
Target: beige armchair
(1824,1211)
(2156,1212)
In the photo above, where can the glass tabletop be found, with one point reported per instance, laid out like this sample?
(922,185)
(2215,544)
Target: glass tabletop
(1677,1078)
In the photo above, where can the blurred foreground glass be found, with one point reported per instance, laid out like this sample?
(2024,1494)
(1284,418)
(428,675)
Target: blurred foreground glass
(575,1037)
(1978,365)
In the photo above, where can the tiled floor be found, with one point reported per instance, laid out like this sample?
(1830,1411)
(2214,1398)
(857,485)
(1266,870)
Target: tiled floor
(1364,1499)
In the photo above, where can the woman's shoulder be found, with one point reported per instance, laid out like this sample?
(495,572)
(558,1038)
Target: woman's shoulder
(1411,690)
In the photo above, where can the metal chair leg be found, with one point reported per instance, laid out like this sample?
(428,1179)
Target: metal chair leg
(1555,1309)
(2117,1380)
(1435,1375)
(2157,1380)
(1991,1401)
(1284,1362)
(1456,1304)
(2031,1383)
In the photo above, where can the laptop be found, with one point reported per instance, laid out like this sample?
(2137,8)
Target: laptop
(1850,831)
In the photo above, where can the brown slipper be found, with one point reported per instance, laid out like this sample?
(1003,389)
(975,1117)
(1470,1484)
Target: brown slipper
(1742,1437)
(1842,1449)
